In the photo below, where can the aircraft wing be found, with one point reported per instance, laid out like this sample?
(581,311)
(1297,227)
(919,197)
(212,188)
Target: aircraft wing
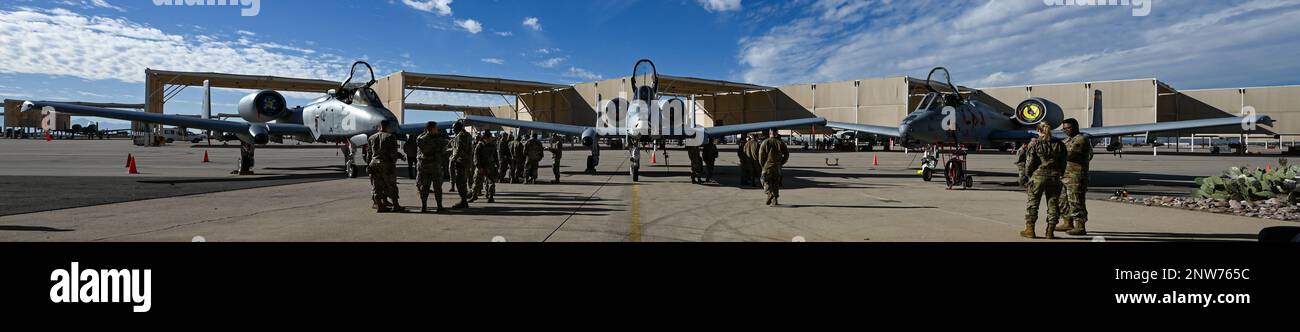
(1174,125)
(1018,135)
(720,131)
(531,125)
(1027,134)
(416,128)
(173,120)
(870,129)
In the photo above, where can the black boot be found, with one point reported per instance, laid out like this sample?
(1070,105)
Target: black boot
(437,196)
(424,203)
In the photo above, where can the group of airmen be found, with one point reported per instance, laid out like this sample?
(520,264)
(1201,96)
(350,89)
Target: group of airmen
(1050,169)
(761,160)
(1056,170)
(474,164)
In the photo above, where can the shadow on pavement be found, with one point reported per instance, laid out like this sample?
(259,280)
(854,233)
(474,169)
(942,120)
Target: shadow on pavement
(1168,236)
(858,206)
(16,228)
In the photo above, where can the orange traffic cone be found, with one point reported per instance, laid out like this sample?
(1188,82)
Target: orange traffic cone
(48,137)
(129,160)
(205,156)
(1268,169)
(654,158)
(130,168)
(875,160)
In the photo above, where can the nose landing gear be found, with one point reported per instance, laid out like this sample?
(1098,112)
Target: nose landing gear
(955,174)
(954,171)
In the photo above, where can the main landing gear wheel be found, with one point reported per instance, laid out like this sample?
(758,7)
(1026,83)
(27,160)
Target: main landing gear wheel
(353,170)
(952,174)
(955,173)
(245,165)
(636,163)
(927,174)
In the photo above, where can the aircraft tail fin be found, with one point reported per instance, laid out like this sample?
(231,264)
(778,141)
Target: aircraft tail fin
(1096,109)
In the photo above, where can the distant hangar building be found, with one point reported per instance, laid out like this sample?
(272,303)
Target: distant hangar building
(886,101)
(874,101)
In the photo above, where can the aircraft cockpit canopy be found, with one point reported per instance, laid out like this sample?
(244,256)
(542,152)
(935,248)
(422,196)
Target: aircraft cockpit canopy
(939,81)
(645,80)
(356,88)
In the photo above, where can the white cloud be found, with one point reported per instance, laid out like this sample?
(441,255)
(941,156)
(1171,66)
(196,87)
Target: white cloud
(442,6)
(105,4)
(278,46)
(532,23)
(720,5)
(504,33)
(246,33)
(470,25)
(494,61)
(582,74)
(91,4)
(1194,45)
(60,42)
(551,63)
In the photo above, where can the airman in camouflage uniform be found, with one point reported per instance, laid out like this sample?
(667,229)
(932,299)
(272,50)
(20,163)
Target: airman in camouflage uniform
(1078,154)
(743,158)
(462,163)
(557,151)
(772,153)
(533,151)
(383,169)
(755,164)
(409,147)
(433,156)
(697,164)
(485,161)
(1045,163)
(503,157)
(1020,159)
(518,159)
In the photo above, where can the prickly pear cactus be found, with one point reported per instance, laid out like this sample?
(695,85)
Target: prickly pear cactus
(1245,184)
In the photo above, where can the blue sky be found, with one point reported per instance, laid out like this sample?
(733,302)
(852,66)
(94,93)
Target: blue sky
(96,50)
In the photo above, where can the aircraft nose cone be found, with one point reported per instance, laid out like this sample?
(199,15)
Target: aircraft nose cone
(905,130)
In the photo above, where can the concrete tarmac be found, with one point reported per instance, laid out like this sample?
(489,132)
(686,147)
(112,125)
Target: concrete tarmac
(850,202)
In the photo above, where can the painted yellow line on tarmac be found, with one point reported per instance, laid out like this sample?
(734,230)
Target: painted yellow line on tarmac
(634,233)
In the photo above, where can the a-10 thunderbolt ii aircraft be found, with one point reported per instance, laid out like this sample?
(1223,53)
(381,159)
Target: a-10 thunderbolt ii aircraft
(643,119)
(945,117)
(345,115)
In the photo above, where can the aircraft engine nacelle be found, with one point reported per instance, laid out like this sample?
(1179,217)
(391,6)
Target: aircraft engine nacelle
(588,137)
(263,106)
(1033,111)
